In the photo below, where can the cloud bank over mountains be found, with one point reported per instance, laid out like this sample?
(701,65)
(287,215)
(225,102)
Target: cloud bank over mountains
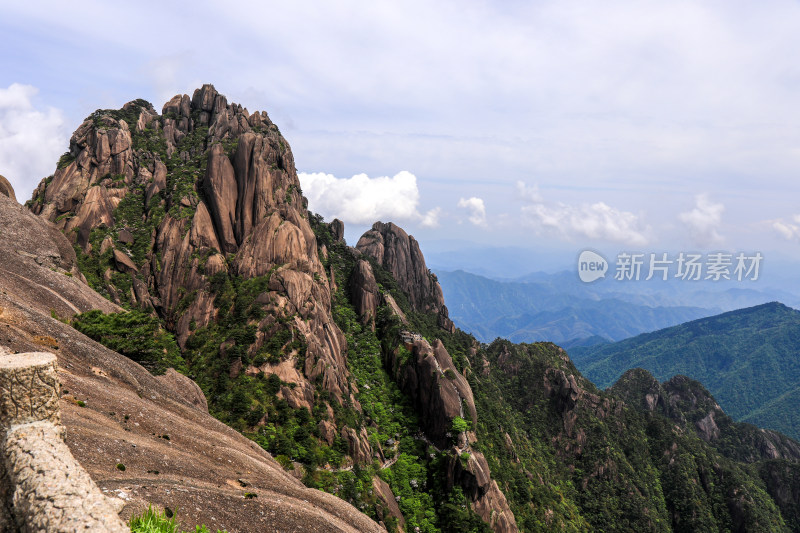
(364,200)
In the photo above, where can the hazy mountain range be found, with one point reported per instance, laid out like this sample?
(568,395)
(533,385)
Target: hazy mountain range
(560,308)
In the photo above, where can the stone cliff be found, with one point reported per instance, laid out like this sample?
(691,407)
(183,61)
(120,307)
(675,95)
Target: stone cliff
(393,249)
(425,371)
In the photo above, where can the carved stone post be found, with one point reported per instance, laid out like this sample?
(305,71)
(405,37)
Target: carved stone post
(29,389)
(42,486)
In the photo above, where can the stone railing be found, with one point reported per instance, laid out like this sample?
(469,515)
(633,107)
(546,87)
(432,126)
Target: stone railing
(43,488)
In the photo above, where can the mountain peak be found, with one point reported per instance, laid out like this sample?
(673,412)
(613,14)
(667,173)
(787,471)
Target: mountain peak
(399,253)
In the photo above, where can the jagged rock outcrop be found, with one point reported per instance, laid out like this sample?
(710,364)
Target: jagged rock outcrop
(6,188)
(202,190)
(399,253)
(364,292)
(470,471)
(439,392)
(337,230)
(196,214)
(688,403)
(386,496)
(359,447)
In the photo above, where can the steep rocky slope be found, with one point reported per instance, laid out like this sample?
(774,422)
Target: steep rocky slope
(175,454)
(160,205)
(688,403)
(169,211)
(591,460)
(393,249)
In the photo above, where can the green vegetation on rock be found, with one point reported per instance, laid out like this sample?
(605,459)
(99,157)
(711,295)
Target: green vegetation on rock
(137,335)
(153,521)
(747,359)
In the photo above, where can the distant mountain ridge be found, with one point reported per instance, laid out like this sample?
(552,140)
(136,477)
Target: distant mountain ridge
(748,359)
(552,310)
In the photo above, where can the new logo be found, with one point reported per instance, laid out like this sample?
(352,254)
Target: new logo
(591,266)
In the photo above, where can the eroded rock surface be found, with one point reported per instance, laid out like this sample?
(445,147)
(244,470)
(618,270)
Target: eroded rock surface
(206,190)
(399,253)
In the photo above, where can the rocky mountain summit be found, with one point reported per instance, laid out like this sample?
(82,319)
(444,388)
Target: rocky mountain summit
(688,403)
(339,362)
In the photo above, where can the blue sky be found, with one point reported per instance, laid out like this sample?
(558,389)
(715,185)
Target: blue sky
(547,125)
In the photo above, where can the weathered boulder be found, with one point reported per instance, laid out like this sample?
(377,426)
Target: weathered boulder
(124,263)
(337,230)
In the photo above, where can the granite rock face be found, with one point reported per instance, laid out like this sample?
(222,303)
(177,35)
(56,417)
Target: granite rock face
(364,293)
(473,476)
(204,189)
(441,394)
(169,210)
(125,407)
(438,391)
(392,248)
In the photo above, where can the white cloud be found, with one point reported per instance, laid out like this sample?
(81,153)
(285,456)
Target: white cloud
(595,221)
(476,209)
(431,218)
(703,221)
(788,230)
(364,200)
(31,139)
